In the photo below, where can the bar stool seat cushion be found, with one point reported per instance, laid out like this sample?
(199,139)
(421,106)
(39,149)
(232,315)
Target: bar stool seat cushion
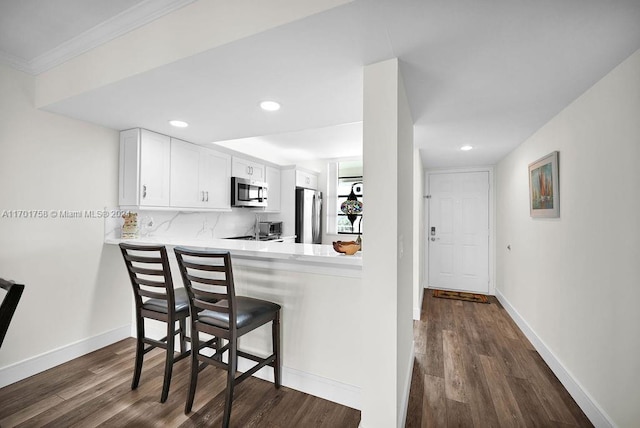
(248,311)
(159,305)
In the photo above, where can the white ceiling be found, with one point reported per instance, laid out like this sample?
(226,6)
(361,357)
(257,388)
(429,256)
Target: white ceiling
(488,74)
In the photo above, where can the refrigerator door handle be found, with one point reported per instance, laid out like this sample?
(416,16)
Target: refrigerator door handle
(313,219)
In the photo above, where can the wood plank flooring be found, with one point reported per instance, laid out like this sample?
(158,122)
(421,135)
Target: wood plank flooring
(95,390)
(475,368)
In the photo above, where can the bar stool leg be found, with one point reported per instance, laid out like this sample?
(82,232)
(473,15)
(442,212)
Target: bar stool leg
(275,333)
(195,349)
(231,374)
(183,335)
(139,352)
(168,364)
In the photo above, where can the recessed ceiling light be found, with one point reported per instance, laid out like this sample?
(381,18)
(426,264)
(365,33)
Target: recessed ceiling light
(269,105)
(466,148)
(178,123)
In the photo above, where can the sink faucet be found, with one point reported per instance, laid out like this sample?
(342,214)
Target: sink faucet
(256,228)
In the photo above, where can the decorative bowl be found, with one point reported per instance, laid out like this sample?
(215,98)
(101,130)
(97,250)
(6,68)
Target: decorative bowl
(346,247)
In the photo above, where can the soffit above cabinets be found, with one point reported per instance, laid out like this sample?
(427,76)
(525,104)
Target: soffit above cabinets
(485,74)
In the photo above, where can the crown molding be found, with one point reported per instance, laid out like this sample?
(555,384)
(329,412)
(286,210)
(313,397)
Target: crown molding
(126,21)
(15,62)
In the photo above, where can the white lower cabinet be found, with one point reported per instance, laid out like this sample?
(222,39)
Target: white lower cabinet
(200,177)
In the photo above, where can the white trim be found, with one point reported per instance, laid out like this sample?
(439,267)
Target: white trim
(416,314)
(15,62)
(589,406)
(404,403)
(126,21)
(329,389)
(418,310)
(492,219)
(34,365)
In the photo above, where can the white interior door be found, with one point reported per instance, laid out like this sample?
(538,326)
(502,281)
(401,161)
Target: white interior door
(458,231)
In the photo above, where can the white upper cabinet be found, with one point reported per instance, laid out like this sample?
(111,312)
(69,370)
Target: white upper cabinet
(145,163)
(215,179)
(244,168)
(200,177)
(185,177)
(306,180)
(273,191)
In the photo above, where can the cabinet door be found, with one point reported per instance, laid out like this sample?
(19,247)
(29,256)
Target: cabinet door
(185,185)
(306,180)
(273,193)
(244,168)
(155,162)
(257,172)
(215,179)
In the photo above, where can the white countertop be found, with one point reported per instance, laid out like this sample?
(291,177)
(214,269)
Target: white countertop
(314,254)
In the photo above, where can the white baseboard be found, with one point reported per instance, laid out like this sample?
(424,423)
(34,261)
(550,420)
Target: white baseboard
(34,365)
(416,314)
(589,406)
(338,392)
(402,417)
(417,310)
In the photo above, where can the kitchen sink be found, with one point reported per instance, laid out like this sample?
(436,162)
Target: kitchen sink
(253,238)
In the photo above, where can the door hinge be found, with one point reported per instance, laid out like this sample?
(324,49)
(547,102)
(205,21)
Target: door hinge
(427,196)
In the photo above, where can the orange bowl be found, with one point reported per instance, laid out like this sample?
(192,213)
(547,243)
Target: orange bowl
(347,247)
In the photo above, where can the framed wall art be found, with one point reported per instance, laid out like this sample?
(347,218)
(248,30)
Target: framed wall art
(544,189)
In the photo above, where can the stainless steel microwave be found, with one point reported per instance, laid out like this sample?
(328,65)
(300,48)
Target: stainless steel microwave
(248,193)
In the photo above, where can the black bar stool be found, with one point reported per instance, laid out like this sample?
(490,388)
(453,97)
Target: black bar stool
(150,275)
(9,305)
(218,312)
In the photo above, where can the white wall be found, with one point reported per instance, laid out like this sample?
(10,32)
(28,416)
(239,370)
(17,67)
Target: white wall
(418,233)
(406,236)
(75,287)
(387,258)
(574,280)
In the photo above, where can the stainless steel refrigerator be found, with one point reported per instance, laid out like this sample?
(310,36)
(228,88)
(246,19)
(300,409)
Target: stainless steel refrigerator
(308,216)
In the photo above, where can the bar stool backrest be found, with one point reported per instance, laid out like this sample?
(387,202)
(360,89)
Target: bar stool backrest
(150,274)
(9,305)
(208,278)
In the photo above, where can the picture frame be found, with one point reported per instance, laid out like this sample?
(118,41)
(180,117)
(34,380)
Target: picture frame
(544,188)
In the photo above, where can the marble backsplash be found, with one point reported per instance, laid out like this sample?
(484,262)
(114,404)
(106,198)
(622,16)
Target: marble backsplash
(192,225)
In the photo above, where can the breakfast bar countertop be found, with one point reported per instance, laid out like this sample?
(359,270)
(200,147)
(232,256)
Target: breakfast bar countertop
(316,258)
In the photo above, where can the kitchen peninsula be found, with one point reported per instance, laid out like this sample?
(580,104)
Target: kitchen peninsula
(319,291)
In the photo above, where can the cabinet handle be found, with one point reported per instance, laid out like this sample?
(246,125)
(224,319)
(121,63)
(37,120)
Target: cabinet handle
(202,196)
(144,191)
(207,196)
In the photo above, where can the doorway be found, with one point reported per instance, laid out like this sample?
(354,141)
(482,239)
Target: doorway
(458,231)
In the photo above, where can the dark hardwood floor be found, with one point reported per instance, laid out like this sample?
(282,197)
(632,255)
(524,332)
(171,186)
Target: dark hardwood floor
(95,390)
(475,368)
